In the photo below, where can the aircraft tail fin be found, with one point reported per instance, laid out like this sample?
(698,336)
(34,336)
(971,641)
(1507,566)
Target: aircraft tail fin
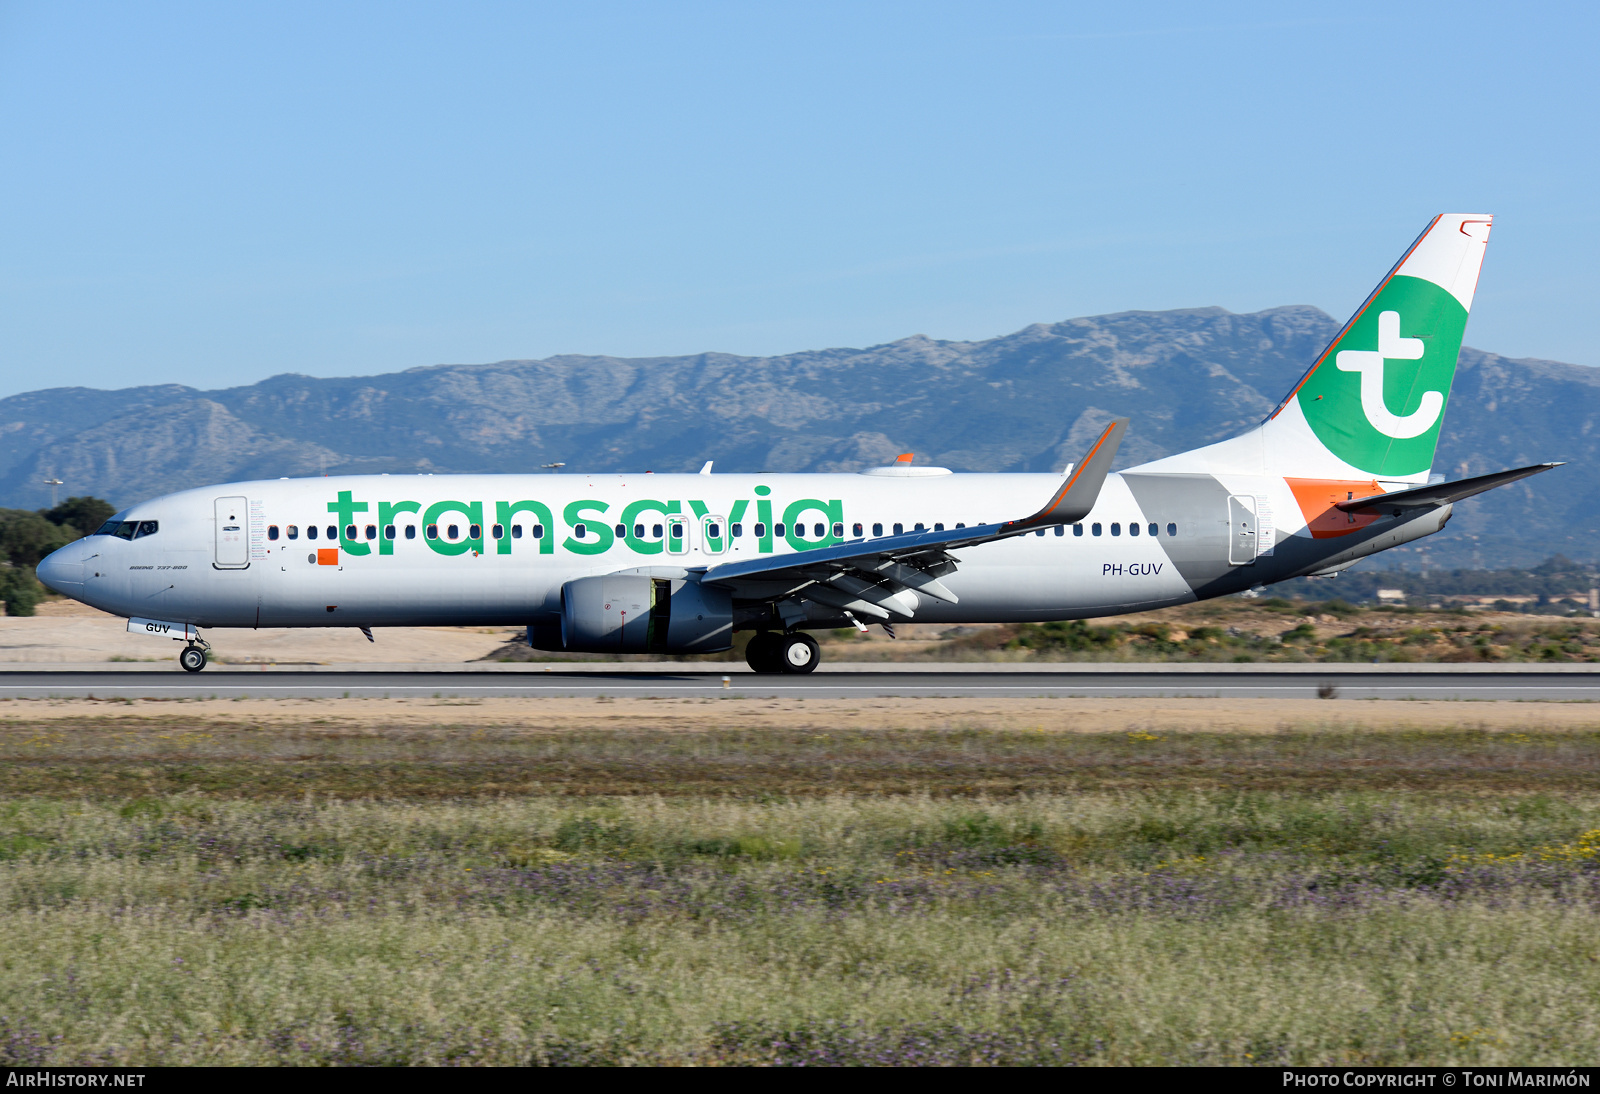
(1372,404)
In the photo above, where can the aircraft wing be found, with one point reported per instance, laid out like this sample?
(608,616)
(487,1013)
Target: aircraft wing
(872,578)
(1440,492)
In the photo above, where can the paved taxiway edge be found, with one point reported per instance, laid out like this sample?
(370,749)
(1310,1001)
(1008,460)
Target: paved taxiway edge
(733,668)
(642,680)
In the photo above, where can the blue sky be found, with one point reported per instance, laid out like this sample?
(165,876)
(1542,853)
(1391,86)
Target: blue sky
(213,193)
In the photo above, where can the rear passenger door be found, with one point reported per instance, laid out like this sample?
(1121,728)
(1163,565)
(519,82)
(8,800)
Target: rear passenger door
(1243,532)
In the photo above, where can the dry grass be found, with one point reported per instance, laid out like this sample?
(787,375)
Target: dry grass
(791,747)
(726,882)
(1134,927)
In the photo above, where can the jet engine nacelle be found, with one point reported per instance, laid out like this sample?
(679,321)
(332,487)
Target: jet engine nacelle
(637,613)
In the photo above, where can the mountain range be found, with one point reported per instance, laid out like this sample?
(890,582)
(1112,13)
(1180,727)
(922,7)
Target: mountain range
(1028,401)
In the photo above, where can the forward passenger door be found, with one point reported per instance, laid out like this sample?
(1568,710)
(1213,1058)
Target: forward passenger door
(233,538)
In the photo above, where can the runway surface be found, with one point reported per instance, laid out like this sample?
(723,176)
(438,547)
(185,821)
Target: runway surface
(1526,682)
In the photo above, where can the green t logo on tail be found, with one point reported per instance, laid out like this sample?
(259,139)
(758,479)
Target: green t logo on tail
(1381,403)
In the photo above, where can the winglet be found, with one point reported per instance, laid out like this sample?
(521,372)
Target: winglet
(1078,494)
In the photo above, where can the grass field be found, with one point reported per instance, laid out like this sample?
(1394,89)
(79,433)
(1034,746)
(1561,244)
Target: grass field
(180,888)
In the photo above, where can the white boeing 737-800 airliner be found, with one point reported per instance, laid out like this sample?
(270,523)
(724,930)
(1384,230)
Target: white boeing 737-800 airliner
(676,564)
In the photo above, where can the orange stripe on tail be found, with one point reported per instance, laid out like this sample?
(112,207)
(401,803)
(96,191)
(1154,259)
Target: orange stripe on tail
(1316,498)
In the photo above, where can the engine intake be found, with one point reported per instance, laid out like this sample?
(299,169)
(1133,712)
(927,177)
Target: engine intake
(637,613)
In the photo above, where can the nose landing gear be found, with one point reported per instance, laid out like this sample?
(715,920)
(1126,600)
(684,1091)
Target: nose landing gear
(196,653)
(790,654)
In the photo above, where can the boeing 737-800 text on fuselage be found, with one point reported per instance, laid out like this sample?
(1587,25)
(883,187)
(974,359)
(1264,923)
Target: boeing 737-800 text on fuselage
(676,564)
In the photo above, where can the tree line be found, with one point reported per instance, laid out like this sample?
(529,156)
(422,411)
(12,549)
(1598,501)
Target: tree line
(28,535)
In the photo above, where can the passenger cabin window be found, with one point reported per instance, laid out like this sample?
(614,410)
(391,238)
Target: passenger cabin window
(333,531)
(454,531)
(621,531)
(293,531)
(349,532)
(311,531)
(714,531)
(959,524)
(272,531)
(431,531)
(1061,529)
(1155,529)
(638,531)
(388,531)
(838,531)
(411,531)
(877,529)
(855,530)
(736,530)
(1116,528)
(1038,531)
(498,531)
(1094,529)
(799,531)
(899,529)
(1133,529)
(777,529)
(1077,529)
(677,531)
(1172,530)
(921,527)
(474,531)
(761,530)
(372,531)
(821,530)
(938,527)
(516,531)
(655,531)
(538,531)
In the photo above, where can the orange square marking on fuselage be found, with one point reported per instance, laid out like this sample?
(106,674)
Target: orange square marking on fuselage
(327,556)
(1316,497)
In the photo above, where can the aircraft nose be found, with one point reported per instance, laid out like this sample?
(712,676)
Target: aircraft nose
(61,571)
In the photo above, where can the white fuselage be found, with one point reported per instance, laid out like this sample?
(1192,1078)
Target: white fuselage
(403,553)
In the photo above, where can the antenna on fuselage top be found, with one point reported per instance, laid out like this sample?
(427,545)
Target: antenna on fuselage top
(554,467)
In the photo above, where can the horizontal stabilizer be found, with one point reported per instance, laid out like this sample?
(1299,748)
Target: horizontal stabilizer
(1440,493)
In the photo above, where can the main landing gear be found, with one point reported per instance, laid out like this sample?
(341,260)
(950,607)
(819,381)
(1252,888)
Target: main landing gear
(193,658)
(793,653)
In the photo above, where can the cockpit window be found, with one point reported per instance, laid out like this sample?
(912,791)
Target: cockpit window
(128,529)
